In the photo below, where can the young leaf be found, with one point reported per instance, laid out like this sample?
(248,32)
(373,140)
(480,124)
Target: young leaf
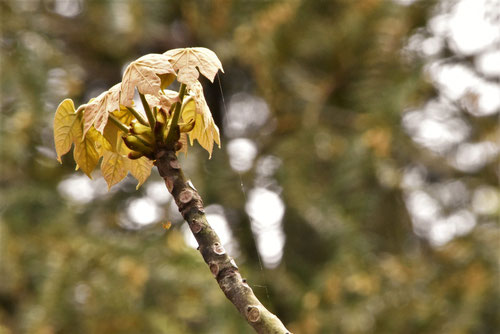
(101,143)
(164,100)
(97,110)
(166,80)
(205,130)
(202,108)
(140,169)
(66,125)
(143,73)
(113,135)
(114,168)
(124,115)
(85,153)
(185,61)
(206,137)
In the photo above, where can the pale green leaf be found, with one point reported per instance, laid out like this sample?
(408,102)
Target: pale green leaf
(166,80)
(205,130)
(101,143)
(141,169)
(114,167)
(66,125)
(85,153)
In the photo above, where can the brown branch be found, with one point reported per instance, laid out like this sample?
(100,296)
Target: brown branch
(222,266)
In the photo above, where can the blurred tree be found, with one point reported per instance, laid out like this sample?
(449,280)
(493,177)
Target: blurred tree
(386,174)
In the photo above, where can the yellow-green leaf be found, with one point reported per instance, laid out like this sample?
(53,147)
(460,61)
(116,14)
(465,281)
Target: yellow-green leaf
(202,108)
(85,153)
(205,130)
(66,127)
(144,74)
(113,136)
(140,169)
(124,115)
(114,168)
(101,143)
(188,61)
(166,80)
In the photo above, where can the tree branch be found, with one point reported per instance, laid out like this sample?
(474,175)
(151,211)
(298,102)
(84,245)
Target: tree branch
(222,266)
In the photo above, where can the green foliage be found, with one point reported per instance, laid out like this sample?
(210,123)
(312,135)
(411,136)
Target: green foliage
(337,78)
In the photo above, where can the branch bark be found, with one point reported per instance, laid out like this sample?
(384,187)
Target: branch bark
(222,266)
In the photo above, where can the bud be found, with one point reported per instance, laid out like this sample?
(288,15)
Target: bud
(136,144)
(135,155)
(186,127)
(143,130)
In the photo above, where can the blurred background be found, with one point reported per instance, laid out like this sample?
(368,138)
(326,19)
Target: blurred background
(357,184)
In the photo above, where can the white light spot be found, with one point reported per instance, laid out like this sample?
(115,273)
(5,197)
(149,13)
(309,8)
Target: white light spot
(246,113)
(57,81)
(434,128)
(489,63)
(265,207)
(471,157)
(81,293)
(432,46)
(265,168)
(453,80)
(463,222)
(270,245)
(489,98)
(68,8)
(404,2)
(266,210)
(158,192)
(459,82)
(77,188)
(470,31)
(414,177)
(438,24)
(242,153)
(457,224)
(267,165)
(143,211)
(122,18)
(422,205)
(441,233)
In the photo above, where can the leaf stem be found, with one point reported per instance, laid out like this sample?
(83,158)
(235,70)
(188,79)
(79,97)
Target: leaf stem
(119,124)
(147,109)
(175,118)
(138,116)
